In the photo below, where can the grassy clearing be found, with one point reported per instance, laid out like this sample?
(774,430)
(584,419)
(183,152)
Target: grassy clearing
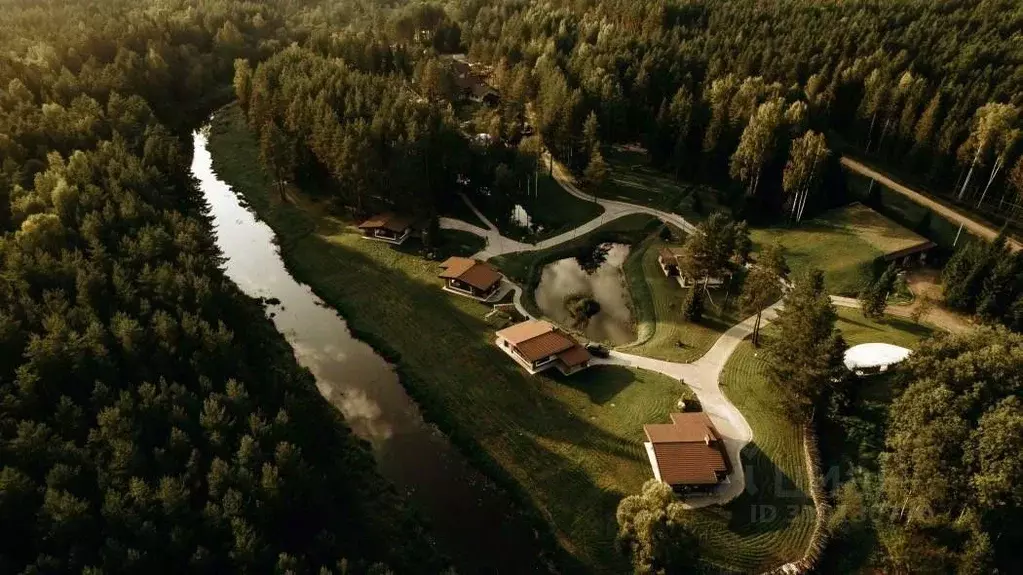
(633,180)
(771,523)
(525,268)
(857,329)
(657,301)
(552,210)
(843,243)
(568,447)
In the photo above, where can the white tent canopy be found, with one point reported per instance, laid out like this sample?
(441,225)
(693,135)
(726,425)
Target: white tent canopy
(874,356)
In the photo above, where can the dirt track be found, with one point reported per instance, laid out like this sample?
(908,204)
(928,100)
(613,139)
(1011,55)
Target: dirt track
(970,224)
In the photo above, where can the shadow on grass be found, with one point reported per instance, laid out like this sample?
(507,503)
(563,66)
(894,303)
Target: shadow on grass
(771,500)
(615,380)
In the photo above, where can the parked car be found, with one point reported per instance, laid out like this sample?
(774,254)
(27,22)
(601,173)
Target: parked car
(597,350)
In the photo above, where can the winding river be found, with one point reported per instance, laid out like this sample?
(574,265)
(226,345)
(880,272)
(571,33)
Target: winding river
(470,518)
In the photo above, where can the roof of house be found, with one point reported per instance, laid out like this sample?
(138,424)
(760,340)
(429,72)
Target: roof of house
(575,355)
(479,275)
(670,252)
(387,221)
(915,249)
(537,339)
(688,450)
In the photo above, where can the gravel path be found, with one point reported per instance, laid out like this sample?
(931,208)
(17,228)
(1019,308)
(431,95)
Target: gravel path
(969,223)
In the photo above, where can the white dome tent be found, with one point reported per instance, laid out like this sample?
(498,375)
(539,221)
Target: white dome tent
(869,358)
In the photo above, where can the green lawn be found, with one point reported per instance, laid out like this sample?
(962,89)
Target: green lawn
(525,268)
(551,208)
(657,301)
(569,447)
(843,243)
(772,523)
(631,179)
(857,329)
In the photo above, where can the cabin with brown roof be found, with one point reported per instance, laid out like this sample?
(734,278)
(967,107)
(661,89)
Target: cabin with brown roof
(388,227)
(471,278)
(687,454)
(537,345)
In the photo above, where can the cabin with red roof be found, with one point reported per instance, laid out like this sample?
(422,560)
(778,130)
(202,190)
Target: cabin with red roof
(687,454)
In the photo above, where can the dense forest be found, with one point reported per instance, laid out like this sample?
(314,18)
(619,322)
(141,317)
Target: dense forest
(151,418)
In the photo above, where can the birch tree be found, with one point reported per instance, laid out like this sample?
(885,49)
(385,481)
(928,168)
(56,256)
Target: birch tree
(756,146)
(991,125)
(1002,148)
(875,88)
(802,172)
(718,98)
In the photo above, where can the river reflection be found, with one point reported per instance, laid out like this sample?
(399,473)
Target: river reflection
(469,517)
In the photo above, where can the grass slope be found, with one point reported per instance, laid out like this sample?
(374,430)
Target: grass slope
(570,447)
(843,243)
(771,522)
(658,300)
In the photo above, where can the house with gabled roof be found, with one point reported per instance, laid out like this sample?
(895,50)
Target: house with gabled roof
(687,454)
(388,227)
(538,345)
(471,278)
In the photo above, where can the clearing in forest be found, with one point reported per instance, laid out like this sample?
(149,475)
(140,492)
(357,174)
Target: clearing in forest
(843,243)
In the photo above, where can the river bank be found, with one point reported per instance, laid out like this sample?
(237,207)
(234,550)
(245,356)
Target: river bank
(569,447)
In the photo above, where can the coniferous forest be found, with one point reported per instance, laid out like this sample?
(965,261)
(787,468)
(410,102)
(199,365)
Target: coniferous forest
(152,419)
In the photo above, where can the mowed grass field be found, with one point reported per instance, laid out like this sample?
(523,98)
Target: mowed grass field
(569,447)
(843,243)
(657,302)
(771,522)
(775,519)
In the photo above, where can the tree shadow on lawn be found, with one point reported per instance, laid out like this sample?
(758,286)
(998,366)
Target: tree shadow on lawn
(613,380)
(484,402)
(771,499)
(893,322)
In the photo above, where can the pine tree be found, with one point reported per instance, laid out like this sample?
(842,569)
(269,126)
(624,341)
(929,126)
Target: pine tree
(693,306)
(805,357)
(596,170)
(591,133)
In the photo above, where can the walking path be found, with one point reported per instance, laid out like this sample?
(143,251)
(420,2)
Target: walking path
(498,244)
(948,213)
(704,377)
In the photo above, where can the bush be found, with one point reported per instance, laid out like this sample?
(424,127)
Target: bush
(582,308)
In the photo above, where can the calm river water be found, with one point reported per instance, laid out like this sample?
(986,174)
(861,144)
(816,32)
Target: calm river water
(606,285)
(469,515)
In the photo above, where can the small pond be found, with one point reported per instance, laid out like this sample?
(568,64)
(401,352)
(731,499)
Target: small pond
(598,278)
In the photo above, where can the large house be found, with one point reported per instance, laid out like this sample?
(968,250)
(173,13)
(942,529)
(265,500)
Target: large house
(389,227)
(668,258)
(537,345)
(687,453)
(470,277)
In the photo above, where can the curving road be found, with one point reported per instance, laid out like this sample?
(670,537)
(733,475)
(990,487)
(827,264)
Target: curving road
(948,213)
(702,375)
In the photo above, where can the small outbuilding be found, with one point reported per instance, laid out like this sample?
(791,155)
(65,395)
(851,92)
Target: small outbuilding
(687,454)
(388,227)
(871,358)
(471,278)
